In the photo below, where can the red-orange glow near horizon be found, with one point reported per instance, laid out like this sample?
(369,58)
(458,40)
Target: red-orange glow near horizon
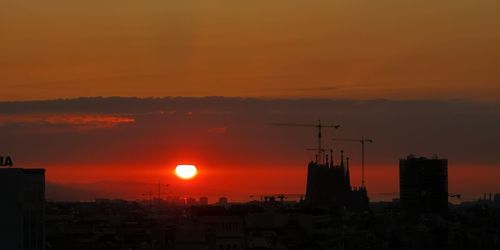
(186,172)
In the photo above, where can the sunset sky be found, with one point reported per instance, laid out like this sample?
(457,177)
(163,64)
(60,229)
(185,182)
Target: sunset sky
(349,49)
(418,77)
(121,147)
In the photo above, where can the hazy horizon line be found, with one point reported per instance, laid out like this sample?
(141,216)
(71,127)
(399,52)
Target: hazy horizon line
(261,98)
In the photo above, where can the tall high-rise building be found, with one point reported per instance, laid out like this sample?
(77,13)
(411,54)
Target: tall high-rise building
(423,185)
(22,209)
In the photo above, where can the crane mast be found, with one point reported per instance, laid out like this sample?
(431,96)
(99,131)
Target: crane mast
(363,140)
(319,126)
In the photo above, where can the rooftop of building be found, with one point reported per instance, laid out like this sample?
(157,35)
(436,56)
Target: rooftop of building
(422,158)
(25,170)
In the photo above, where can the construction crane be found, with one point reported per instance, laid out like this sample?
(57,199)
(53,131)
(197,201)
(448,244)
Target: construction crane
(159,191)
(363,140)
(150,197)
(319,126)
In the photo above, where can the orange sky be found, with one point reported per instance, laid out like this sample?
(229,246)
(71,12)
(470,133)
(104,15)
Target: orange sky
(349,49)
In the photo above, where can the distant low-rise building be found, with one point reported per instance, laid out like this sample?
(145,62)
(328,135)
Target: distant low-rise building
(222,201)
(191,201)
(203,201)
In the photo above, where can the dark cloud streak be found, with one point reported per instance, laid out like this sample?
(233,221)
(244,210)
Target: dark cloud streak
(163,128)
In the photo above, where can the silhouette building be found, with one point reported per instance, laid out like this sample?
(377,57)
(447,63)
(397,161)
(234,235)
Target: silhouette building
(204,201)
(329,185)
(223,201)
(423,185)
(22,222)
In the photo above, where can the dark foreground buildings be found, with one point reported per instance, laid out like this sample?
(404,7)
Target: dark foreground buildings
(22,192)
(329,185)
(279,224)
(423,185)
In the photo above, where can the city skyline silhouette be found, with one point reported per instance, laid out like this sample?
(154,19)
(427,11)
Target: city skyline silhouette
(249,125)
